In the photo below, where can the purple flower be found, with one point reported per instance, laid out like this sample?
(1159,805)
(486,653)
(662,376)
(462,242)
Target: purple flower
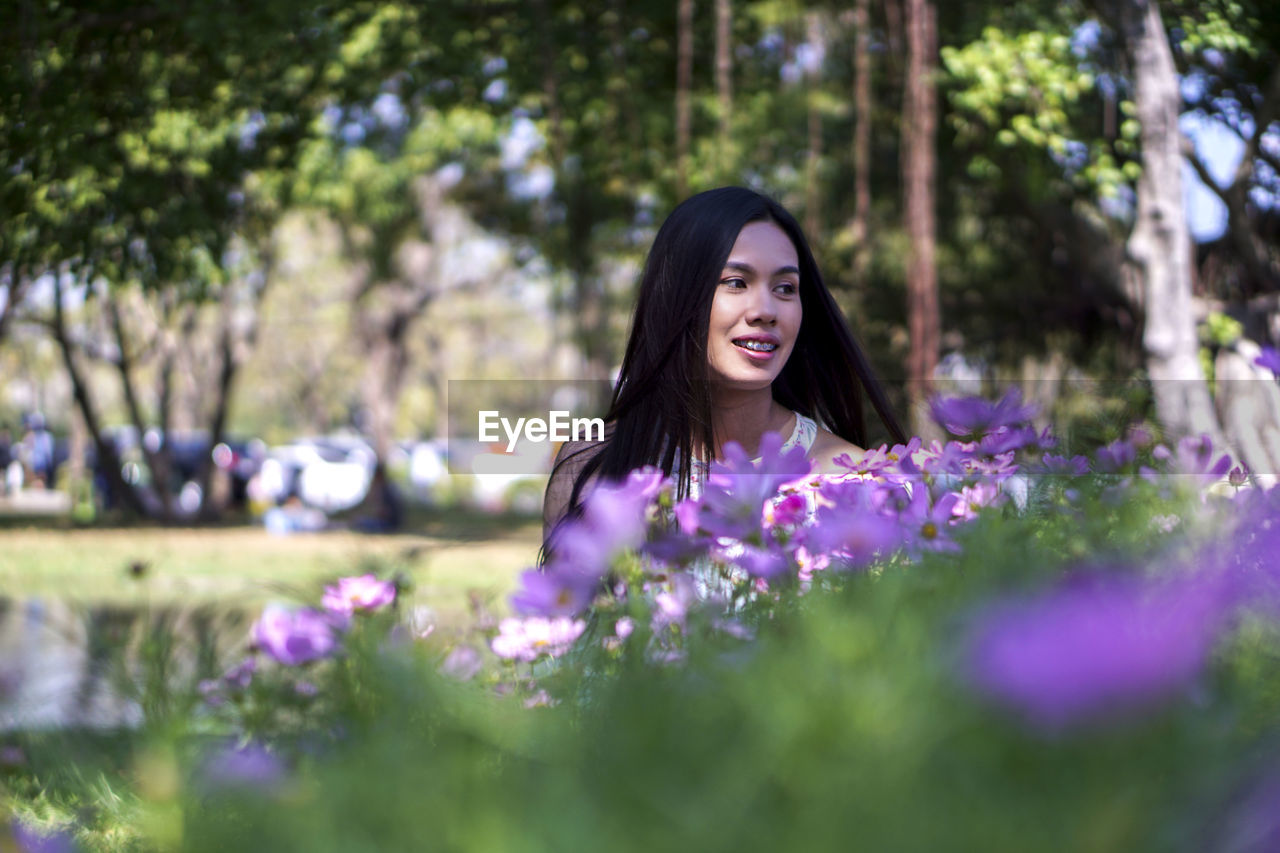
(855,536)
(1098,644)
(248,766)
(614,519)
(1194,458)
(927,526)
(294,637)
(1238,476)
(28,839)
(618,510)
(973,498)
(759,562)
(996,468)
(733,501)
(1115,457)
(974,416)
(686,514)
(462,663)
(1253,823)
(540,699)
(240,675)
(1270,359)
(559,590)
(884,462)
(530,638)
(363,593)
(786,511)
(1076,466)
(1007,439)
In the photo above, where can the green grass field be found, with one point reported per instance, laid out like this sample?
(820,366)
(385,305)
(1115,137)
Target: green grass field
(454,563)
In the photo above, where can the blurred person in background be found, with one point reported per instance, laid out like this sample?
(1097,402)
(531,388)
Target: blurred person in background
(38,444)
(6,456)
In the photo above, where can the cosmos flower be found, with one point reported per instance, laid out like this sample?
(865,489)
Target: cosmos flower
(1098,644)
(974,416)
(247,766)
(533,637)
(1115,457)
(294,637)
(363,593)
(1270,359)
(1076,466)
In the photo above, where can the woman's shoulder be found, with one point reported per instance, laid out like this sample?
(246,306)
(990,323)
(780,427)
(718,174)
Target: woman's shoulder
(826,447)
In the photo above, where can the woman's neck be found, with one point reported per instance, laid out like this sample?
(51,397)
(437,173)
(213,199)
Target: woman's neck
(745,416)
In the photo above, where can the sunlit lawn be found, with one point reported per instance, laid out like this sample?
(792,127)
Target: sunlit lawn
(451,561)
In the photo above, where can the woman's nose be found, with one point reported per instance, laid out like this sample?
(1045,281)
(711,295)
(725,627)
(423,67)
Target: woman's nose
(760,308)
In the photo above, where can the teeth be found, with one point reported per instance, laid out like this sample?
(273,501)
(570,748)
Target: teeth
(758,346)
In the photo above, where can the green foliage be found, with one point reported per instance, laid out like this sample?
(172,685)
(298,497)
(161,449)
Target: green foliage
(1028,89)
(847,717)
(1221,330)
(1220,25)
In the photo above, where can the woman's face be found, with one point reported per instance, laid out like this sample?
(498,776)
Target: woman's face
(756,312)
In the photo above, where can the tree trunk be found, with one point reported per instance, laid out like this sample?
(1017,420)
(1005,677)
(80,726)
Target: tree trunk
(813,77)
(550,83)
(108,458)
(860,225)
(15,290)
(157,459)
(724,85)
(919,124)
(1249,402)
(229,367)
(1159,248)
(684,94)
(893,33)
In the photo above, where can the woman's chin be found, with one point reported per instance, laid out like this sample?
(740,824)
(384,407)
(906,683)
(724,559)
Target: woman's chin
(744,383)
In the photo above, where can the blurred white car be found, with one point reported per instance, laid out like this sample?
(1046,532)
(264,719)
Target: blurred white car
(330,473)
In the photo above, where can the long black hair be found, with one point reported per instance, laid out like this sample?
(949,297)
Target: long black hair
(661,409)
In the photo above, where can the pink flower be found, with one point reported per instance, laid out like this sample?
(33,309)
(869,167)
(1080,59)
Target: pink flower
(363,593)
(530,638)
(785,511)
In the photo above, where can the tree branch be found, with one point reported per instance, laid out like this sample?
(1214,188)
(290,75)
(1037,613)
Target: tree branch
(1262,118)
(1202,171)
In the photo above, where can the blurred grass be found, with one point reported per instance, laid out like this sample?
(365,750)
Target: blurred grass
(453,560)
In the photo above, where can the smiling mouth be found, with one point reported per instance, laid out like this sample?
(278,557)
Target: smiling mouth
(755,346)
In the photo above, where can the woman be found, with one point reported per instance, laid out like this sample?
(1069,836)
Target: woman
(734,335)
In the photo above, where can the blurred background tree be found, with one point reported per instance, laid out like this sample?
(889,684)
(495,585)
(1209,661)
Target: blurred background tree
(484,178)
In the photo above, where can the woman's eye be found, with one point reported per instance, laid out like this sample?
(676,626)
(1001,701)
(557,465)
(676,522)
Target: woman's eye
(787,288)
(734,282)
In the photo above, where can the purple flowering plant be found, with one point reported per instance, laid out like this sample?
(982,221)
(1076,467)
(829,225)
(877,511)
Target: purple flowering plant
(761,531)
(974,417)
(295,636)
(760,526)
(1269,359)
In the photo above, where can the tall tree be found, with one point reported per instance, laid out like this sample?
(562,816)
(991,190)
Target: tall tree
(816,42)
(1159,247)
(919,164)
(859,225)
(684,93)
(724,83)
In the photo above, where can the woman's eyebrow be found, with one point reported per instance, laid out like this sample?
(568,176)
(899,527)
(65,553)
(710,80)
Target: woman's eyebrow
(747,268)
